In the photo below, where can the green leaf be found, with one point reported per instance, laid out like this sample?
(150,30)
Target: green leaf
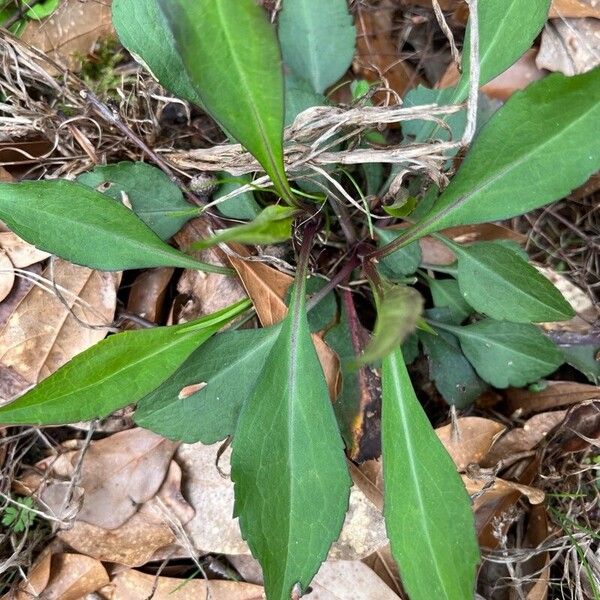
(272,225)
(42,9)
(507,354)
(243,206)
(507,29)
(452,373)
(585,359)
(288,463)
(87,228)
(154,198)
(497,282)
(143,30)
(398,310)
(446,293)
(238,76)
(114,373)
(298,97)
(228,365)
(427,509)
(317,40)
(539,146)
(401,262)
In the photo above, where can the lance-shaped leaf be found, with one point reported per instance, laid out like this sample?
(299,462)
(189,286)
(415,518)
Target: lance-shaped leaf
(153,197)
(507,29)
(427,509)
(504,353)
(399,308)
(272,225)
(499,283)
(201,402)
(231,55)
(143,30)
(114,373)
(317,40)
(445,293)
(87,228)
(402,262)
(539,146)
(288,463)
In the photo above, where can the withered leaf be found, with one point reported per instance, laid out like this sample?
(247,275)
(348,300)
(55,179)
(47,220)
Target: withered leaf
(21,253)
(50,326)
(7,275)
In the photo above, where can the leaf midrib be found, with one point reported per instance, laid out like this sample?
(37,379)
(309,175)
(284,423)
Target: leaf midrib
(407,436)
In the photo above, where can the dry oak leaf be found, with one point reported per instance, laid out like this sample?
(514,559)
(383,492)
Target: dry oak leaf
(72,31)
(204,293)
(45,331)
(334,580)
(267,288)
(214,530)
(570,46)
(147,532)
(21,253)
(61,576)
(556,394)
(522,439)
(469,439)
(133,585)
(7,275)
(574,8)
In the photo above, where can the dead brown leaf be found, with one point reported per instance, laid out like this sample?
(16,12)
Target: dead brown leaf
(267,288)
(554,395)
(538,567)
(469,440)
(570,46)
(21,253)
(121,472)
(204,293)
(522,439)
(45,331)
(377,57)
(73,576)
(574,8)
(213,529)
(20,288)
(495,485)
(384,566)
(136,541)
(72,31)
(581,428)
(148,293)
(37,579)
(334,580)
(7,275)
(133,585)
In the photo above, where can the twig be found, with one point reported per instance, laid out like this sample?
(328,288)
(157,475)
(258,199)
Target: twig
(474,73)
(439,15)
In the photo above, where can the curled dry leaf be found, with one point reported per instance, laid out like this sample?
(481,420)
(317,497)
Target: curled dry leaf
(71,32)
(204,293)
(570,46)
(469,439)
(495,485)
(37,579)
(556,394)
(522,439)
(50,326)
(72,577)
(21,253)
(7,275)
(133,585)
(148,293)
(377,57)
(121,472)
(333,581)
(538,567)
(267,288)
(143,535)
(213,529)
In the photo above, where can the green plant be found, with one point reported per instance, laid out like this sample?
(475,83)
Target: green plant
(19,517)
(288,463)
